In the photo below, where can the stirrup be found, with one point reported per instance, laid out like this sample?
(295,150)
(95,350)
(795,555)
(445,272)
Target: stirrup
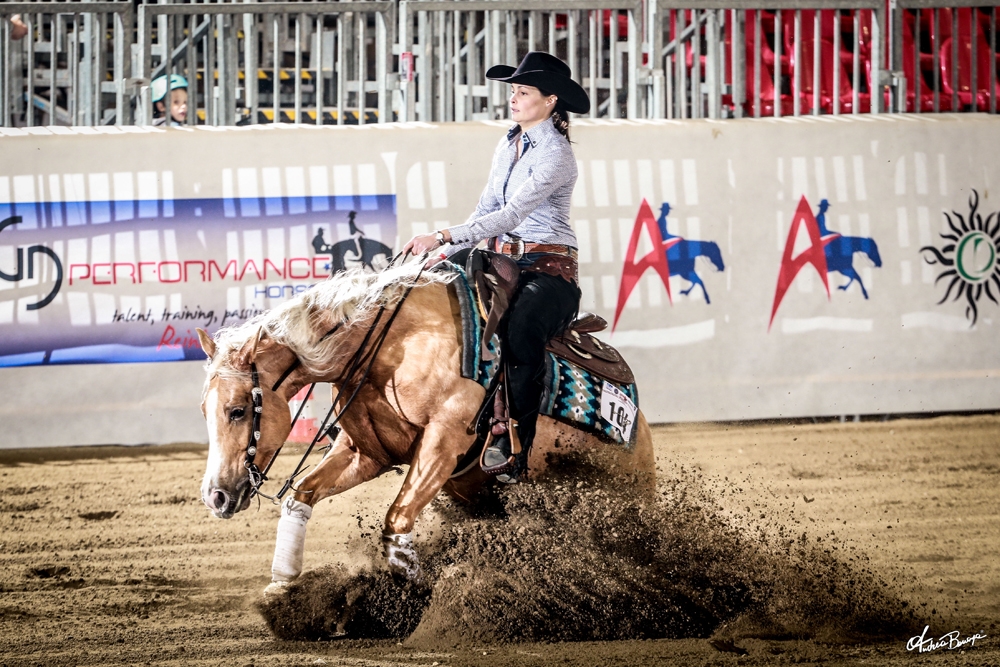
(499,465)
(497,456)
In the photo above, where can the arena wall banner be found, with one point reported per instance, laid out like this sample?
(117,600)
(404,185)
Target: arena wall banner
(751,269)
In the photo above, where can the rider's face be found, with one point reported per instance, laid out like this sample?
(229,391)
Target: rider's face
(528,106)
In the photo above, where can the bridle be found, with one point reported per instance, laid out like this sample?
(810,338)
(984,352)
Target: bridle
(327,427)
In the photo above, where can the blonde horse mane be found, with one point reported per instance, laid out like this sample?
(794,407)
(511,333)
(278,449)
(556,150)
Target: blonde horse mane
(349,297)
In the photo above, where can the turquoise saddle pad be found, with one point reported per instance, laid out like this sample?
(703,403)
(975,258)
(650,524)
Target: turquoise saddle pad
(571,395)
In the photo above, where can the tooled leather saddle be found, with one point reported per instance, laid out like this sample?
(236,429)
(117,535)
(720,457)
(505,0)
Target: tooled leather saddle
(495,277)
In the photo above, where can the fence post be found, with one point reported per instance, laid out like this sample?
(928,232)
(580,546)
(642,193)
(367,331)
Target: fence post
(145,102)
(878,59)
(634,66)
(712,78)
(250,81)
(898,87)
(654,36)
(739,57)
(408,112)
(382,55)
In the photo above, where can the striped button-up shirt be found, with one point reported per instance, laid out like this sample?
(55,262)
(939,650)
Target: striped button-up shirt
(526,198)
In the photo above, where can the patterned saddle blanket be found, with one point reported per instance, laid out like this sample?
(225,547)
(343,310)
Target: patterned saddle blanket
(606,407)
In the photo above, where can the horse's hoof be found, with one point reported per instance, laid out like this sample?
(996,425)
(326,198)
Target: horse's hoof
(276,589)
(404,563)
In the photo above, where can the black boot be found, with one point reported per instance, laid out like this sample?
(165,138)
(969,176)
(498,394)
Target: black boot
(519,472)
(498,457)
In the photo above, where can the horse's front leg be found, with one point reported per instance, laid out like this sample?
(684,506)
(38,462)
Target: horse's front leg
(342,468)
(432,465)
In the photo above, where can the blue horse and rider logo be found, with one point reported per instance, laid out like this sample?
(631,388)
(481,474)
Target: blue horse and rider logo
(682,253)
(840,250)
(828,252)
(672,255)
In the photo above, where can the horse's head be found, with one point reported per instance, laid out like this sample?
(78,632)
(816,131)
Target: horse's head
(228,406)
(873,254)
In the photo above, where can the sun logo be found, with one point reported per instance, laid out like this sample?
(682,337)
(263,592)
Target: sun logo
(969,257)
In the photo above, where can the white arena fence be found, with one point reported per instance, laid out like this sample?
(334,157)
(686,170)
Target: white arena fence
(806,266)
(90,63)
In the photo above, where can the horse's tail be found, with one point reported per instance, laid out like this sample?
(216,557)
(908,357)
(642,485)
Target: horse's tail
(711,250)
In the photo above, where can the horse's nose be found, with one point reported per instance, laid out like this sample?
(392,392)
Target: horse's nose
(218,500)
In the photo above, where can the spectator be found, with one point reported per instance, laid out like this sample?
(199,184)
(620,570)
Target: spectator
(177,113)
(17,28)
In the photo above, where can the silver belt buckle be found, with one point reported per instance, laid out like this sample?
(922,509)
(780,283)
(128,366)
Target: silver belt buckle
(519,252)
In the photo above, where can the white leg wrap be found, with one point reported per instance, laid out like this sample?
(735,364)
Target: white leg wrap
(402,557)
(290,544)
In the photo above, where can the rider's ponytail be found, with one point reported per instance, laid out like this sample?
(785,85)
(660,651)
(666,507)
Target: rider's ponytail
(560,117)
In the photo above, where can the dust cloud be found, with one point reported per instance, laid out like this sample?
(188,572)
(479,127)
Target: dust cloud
(580,557)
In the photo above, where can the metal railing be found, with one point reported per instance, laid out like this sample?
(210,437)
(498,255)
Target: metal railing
(451,45)
(745,68)
(85,47)
(384,60)
(226,50)
(960,70)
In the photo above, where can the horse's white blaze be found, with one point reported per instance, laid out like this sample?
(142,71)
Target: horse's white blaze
(214,464)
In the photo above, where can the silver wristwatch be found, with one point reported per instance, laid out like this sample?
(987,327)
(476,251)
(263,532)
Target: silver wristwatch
(440,238)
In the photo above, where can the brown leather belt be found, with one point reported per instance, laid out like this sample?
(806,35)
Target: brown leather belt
(520,248)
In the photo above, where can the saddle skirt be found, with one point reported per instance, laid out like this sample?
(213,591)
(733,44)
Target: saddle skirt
(582,349)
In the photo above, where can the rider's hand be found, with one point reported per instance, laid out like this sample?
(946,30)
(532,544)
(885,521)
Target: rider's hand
(423,243)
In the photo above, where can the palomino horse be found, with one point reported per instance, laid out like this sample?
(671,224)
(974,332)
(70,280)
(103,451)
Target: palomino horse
(412,407)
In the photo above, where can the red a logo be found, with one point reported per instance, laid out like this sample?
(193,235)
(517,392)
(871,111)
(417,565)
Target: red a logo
(655,259)
(815,254)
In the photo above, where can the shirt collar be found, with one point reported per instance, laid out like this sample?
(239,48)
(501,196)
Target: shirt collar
(535,134)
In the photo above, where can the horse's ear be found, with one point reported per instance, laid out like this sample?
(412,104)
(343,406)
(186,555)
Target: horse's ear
(207,344)
(248,353)
(256,343)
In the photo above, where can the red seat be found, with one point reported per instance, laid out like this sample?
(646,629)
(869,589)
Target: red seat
(911,72)
(964,67)
(767,87)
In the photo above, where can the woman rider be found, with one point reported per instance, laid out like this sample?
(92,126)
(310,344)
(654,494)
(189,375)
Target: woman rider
(524,211)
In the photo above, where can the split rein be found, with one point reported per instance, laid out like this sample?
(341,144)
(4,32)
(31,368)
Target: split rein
(362,355)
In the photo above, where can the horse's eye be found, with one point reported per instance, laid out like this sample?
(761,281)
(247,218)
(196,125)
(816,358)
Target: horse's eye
(236,414)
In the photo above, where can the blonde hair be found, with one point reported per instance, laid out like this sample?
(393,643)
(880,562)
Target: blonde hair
(302,324)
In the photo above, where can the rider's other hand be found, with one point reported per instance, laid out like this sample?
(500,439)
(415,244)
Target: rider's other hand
(420,244)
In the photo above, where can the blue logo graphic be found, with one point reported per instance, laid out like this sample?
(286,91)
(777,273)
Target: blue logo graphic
(681,254)
(840,250)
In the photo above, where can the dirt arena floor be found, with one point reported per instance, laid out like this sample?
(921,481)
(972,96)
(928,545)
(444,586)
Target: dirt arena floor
(107,555)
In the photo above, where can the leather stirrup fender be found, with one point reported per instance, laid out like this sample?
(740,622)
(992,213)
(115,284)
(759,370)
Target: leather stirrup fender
(495,278)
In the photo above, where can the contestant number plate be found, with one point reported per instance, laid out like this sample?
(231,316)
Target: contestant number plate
(618,410)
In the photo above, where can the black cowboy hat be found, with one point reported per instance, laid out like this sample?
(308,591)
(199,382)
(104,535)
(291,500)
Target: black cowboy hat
(546,72)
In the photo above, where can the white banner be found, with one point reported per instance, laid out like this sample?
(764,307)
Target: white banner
(752,269)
